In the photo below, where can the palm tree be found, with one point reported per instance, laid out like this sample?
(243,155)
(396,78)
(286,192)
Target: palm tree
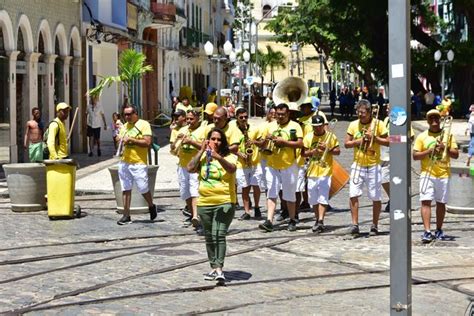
(131,67)
(274,60)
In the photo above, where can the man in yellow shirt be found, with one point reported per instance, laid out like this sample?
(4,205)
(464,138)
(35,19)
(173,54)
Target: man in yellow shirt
(57,135)
(366,135)
(249,171)
(434,150)
(282,170)
(184,105)
(191,137)
(319,147)
(231,131)
(136,137)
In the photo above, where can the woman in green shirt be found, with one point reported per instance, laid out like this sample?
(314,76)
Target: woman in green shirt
(217,195)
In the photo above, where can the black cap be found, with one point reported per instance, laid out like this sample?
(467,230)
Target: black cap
(317,120)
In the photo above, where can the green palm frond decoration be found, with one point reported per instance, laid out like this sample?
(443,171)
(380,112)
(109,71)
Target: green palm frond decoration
(131,66)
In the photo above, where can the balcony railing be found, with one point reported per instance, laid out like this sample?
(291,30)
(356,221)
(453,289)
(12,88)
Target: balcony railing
(194,37)
(163,12)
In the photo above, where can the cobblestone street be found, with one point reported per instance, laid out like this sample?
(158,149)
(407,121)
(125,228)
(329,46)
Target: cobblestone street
(91,265)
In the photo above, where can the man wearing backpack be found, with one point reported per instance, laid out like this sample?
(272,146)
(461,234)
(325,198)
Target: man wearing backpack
(57,136)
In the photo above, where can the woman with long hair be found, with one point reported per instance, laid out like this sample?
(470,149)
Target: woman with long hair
(217,195)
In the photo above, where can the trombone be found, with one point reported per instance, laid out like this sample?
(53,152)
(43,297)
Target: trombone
(435,156)
(321,160)
(366,147)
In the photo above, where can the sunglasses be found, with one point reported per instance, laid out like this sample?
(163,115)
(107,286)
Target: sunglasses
(128,114)
(244,117)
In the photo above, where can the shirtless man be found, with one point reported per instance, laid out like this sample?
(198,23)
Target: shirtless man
(34,136)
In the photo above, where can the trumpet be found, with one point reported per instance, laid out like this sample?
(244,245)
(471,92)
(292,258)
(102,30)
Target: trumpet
(269,147)
(435,156)
(321,160)
(366,148)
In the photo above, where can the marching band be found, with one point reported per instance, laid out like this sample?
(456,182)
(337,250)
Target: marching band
(291,156)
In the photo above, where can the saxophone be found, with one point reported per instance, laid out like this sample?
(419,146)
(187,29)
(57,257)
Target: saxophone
(248,151)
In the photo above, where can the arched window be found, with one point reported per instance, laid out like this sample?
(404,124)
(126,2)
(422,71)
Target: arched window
(266,10)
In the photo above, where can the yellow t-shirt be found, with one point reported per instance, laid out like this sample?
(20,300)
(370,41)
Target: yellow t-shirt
(440,169)
(253,134)
(60,150)
(132,153)
(283,157)
(305,122)
(310,141)
(181,106)
(231,132)
(188,151)
(356,130)
(385,150)
(219,188)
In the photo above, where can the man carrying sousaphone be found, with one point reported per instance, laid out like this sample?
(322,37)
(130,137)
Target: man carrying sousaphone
(434,148)
(319,147)
(281,170)
(366,135)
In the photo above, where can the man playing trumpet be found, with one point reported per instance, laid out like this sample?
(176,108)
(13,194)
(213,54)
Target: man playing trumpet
(249,171)
(365,135)
(434,148)
(319,147)
(281,170)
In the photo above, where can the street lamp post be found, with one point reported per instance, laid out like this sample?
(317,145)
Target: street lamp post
(443,62)
(246,56)
(209,49)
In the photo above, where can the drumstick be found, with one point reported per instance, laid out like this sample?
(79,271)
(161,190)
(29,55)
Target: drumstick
(72,124)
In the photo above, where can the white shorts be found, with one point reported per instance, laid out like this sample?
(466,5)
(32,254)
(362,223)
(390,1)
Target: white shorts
(371,177)
(249,176)
(263,164)
(434,189)
(301,182)
(318,190)
(133,173)
(188,183)
(385,172)
(282,179)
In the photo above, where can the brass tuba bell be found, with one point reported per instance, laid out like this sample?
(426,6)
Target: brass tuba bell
(290,89)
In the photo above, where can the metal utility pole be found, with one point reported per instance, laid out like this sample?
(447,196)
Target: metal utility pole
(400,176)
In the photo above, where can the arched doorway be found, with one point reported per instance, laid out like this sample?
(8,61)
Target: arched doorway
(58,74)
(4,103)
(21,106)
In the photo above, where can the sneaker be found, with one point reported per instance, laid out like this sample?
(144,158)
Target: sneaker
(354,230)
(387,207)
(186,212)
(220,278)
(99,153)
(318,227)
(267,226)
(124,220)
(153,212)
(297,218)
(283,215)
(258,213)
(211,276)
(374,231)
(426,237)
(439,234)
(291,225)
(91,154)
(245,217)
(195,221)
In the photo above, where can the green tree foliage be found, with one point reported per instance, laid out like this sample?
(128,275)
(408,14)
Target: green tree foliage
(131,67)
(357,32)
(271,60)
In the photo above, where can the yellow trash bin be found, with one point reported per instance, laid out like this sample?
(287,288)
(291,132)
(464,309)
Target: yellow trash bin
(60,184)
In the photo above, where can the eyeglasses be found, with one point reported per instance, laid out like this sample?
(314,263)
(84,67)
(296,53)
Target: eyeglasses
(128,114)
(243,117)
